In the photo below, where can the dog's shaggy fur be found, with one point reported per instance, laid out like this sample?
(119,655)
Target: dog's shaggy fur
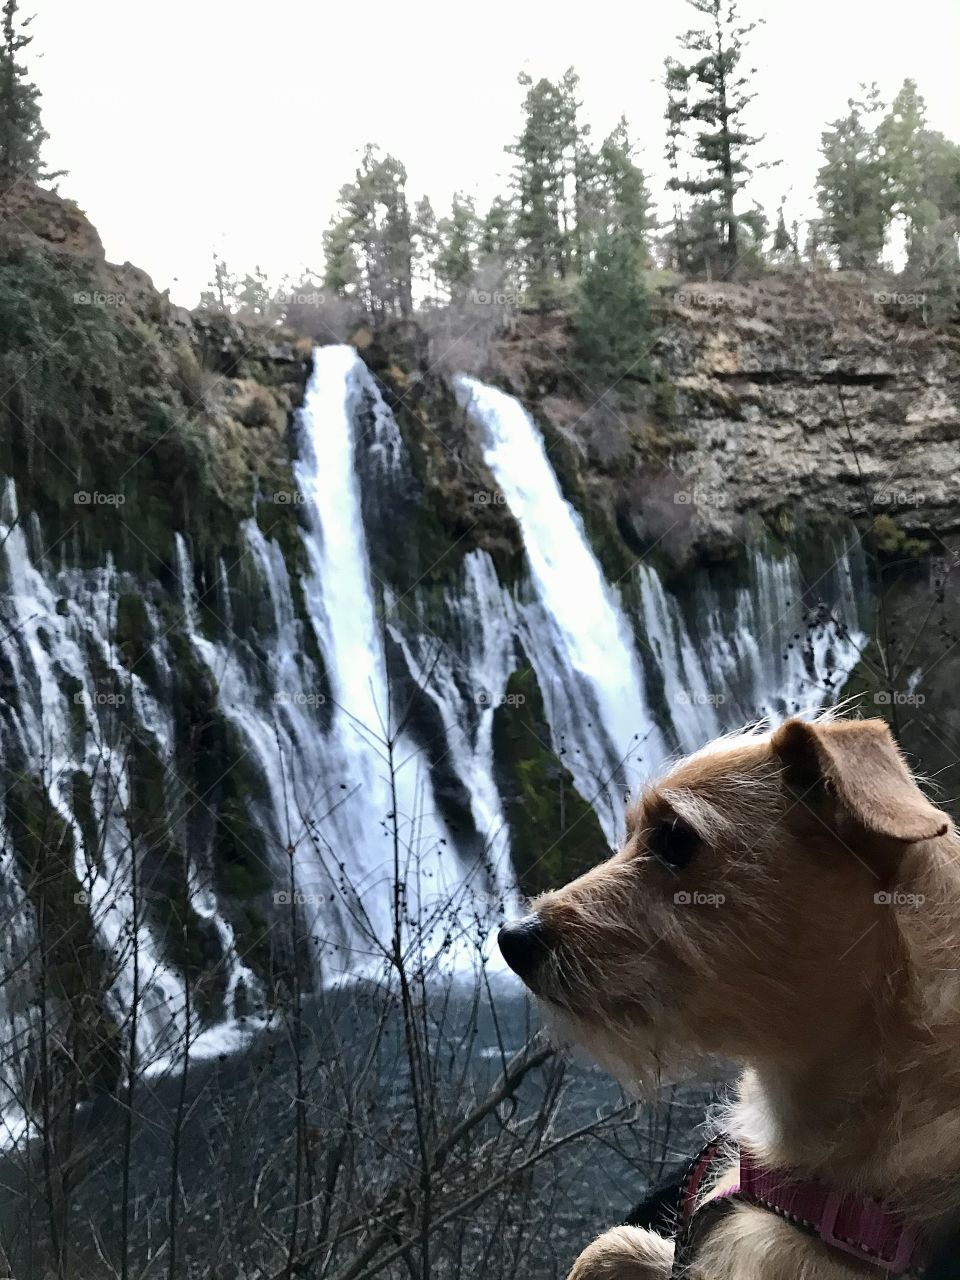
(789,901)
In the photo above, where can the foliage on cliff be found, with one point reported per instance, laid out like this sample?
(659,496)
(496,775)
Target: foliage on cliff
(123,421)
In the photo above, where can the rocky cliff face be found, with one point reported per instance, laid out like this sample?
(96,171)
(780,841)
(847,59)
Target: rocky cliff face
(143,450)
(128,419)
(797,399)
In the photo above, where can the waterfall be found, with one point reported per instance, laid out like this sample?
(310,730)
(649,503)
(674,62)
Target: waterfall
(67,719)
(574,629)
(320,740)
(316,666)
(352,629)
(771,650)
(465,677)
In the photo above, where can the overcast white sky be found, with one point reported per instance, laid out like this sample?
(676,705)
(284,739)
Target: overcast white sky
(196,123)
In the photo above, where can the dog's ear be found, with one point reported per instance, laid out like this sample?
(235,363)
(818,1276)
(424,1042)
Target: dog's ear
(861,765)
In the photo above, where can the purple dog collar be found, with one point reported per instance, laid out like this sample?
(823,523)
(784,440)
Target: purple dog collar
(866,1229)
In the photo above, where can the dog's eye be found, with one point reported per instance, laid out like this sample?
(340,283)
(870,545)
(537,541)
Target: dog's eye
(673,843)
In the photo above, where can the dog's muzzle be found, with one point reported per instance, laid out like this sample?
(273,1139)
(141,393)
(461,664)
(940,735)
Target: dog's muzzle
(523,944)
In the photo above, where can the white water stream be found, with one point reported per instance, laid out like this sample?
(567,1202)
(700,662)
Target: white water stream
(307,689)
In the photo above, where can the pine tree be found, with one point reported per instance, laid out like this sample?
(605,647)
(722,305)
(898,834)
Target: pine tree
(577,167)
(814,250)
(22,135)
(784,244)
(369,246)
(612,320)
(458,236)
(705,249)
(622,190)
(254,297)
(342,272)
(923,176)
(426,245)
(497,239)
(853,186)
(537,182)
(547,181)
(675,82)
(706,101)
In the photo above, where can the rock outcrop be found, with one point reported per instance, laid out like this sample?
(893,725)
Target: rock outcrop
(128,419)
(798,398)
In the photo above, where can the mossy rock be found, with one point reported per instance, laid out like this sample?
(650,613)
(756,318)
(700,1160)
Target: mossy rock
(75,971)
(438,508)
(114,432)
(189,942)
(134,636)
(554,833)
(83,811)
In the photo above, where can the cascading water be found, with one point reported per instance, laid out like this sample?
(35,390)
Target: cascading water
(314,675)
(574,629)
(325,743)
(391,791)
(766,654)
(67,732)
(465,677)
(762,654)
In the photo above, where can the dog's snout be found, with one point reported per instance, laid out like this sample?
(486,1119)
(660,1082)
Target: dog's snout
(523,944)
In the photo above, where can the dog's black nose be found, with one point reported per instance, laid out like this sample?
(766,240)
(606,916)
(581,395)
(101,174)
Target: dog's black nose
(523,945)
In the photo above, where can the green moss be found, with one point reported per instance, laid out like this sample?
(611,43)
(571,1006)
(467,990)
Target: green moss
(222,776)
(441,510)
(885,537)
(134,637)
(664,399)
(103,430)
(190,942)
(251,932)
(554,832)
(73,968)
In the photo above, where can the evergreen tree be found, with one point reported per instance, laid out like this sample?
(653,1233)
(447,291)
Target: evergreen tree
(578,168)
(676,84)
(254,297)
(853,186)
(342,273)
(458,236)
(612,319)
(923,176)
(706,101)
(705,250)
(22,135)
(547,181)
(426,245)
(784,247)
(621,190)
(369,246)
(815,248)
(497,240)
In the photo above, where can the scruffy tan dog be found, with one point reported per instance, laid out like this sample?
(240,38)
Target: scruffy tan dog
(789,901)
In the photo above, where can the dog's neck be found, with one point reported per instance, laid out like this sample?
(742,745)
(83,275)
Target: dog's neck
(877,1112)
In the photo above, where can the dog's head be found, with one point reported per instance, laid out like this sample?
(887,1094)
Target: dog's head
(747,914)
